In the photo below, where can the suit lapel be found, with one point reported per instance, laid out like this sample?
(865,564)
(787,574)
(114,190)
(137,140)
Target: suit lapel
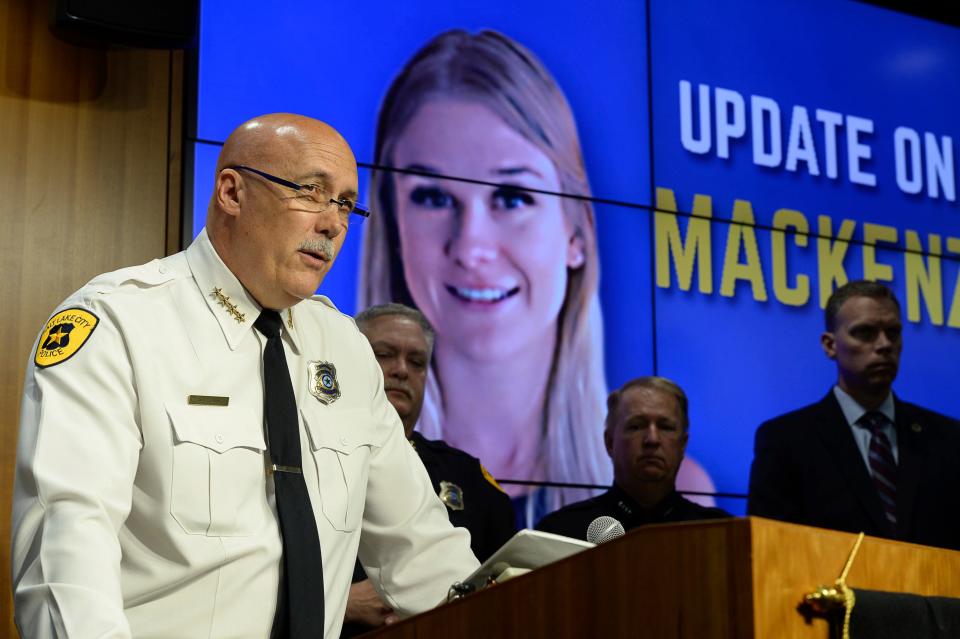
(911,449)
(835,434)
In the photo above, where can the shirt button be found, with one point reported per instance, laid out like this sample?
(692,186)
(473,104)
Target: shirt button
(344,441)
(219,439)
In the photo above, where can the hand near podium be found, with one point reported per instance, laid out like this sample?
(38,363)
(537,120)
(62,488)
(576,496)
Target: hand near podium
(365,606)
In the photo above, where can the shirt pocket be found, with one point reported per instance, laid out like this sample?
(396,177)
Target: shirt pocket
(341,443)
(218,485)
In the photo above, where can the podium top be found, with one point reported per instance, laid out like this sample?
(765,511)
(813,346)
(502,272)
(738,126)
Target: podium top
(719,579)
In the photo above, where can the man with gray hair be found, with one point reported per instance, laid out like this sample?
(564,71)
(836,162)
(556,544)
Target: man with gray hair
(402,342)
(646,433)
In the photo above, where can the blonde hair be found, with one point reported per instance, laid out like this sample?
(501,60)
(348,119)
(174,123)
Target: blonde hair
(491,69)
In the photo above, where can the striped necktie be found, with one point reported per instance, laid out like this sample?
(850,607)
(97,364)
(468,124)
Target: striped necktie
(883,466)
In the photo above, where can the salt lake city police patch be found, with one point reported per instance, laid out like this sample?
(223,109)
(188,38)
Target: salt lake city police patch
(63,336)
(489,478)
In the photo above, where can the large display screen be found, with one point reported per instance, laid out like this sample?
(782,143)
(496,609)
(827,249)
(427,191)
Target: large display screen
(740,160)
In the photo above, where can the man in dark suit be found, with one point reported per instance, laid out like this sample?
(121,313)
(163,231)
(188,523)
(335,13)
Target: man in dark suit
(646,434)
(861,459)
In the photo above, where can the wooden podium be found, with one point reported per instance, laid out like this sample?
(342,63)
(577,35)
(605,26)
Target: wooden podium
(734,578)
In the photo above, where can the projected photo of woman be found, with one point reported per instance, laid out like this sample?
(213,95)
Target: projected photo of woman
(507,275)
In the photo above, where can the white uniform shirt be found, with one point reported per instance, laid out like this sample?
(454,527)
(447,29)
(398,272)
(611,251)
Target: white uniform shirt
(139,513)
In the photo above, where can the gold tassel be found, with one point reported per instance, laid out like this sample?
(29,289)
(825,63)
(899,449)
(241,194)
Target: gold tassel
(825,599)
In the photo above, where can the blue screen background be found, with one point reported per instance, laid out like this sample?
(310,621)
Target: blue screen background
(744,361)
(741,361)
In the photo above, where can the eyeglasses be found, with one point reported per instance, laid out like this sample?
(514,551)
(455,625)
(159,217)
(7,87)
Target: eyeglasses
(313,196)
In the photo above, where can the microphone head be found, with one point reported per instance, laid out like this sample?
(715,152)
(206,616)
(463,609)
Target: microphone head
(604,529)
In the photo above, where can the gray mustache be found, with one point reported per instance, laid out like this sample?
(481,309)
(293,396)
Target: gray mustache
(321,246)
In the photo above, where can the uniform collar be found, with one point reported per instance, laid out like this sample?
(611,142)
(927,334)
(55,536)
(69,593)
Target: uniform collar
(290,326)
(631,511)
(231,304)
(416,438)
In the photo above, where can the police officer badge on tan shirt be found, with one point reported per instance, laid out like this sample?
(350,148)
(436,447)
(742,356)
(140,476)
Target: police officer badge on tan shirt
(451,495)
(323,381)
(63,335)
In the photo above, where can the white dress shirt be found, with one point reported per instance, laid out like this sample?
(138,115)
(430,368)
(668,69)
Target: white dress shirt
(853,411)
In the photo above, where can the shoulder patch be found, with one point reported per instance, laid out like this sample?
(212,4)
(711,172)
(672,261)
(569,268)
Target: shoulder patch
(63,336)
(489,478)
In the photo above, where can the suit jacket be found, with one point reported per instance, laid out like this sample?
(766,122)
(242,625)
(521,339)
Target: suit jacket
(807,469)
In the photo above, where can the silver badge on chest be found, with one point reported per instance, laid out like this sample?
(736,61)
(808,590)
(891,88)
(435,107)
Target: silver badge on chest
(451,495)
(323,381)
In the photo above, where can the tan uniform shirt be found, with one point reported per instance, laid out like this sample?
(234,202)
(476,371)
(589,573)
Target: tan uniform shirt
(138,512)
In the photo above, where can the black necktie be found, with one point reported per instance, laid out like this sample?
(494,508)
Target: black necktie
(300,609)
(883,467)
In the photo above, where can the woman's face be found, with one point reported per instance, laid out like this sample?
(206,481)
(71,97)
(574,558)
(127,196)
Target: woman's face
(487,265)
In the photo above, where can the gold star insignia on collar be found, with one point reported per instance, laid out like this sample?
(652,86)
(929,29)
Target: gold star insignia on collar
(224,301)
(290,318)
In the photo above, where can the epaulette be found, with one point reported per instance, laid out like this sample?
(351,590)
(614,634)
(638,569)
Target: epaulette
(440,446)
(326,301)
(149,275)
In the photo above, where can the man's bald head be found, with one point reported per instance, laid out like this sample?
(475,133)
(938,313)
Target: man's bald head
(271,138)
(274,140)
(277,248)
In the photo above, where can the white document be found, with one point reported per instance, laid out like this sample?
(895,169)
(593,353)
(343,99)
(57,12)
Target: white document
(528,549)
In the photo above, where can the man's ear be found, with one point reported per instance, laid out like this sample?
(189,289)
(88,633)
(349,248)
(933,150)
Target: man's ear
(608,440)
(227,191)
(828,342)
(576,255)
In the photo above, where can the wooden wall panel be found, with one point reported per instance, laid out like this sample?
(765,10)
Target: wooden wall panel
(89,182)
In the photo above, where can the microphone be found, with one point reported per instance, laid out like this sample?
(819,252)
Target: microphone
(604,529)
